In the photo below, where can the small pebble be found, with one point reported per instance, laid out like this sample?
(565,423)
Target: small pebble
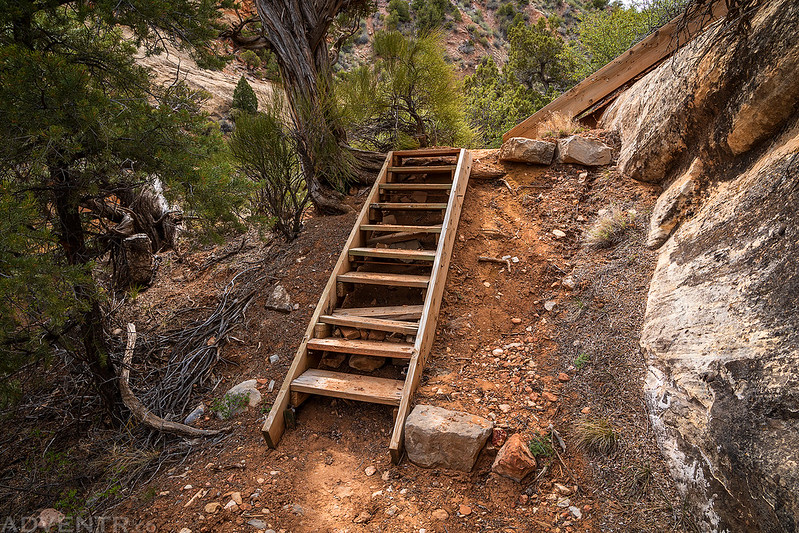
(370,470)
(516,320)
(464,510)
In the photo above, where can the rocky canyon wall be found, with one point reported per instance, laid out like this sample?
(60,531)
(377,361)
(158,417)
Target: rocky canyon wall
(717,126)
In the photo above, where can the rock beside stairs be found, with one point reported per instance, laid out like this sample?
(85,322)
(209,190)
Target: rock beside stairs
(521,150)
(440,438)
(514,459)
(581,151)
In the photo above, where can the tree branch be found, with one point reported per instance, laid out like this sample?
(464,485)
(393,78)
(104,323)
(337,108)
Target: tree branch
(140,412)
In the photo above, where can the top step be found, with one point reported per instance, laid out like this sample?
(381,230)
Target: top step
(427,152)
(432,169)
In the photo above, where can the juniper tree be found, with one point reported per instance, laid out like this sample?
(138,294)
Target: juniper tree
(81,127)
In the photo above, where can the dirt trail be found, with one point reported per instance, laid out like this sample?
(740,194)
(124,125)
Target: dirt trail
(317,479)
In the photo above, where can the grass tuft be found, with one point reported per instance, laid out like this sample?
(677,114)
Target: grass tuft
(609,229)
(558,125)
(596,435)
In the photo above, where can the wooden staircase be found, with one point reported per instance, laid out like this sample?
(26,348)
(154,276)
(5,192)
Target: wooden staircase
(383,297)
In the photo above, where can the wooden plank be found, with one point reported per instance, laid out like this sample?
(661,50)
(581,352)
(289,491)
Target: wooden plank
(401,228)
(432,169)
(432,304)
(392,238)
(349,386)
(415,186)
(362,347)
(274,426)
(411,206)
(635,61)
(397,312)
(394,253)
(379,324)
(382,278)
(427,152)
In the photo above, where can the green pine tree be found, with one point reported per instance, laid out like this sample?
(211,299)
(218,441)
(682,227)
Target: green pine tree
(244,98)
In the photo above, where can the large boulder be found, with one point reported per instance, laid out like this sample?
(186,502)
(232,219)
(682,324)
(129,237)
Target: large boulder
(581,151)
(718,127)
(531,151)
(440,438)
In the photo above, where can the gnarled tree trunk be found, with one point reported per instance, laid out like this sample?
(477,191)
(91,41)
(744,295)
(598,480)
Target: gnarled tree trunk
(296,31)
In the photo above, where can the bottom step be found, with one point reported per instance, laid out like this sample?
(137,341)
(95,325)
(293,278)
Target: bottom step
(349,386)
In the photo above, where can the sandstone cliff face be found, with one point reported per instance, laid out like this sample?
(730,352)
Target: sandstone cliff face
(718,128)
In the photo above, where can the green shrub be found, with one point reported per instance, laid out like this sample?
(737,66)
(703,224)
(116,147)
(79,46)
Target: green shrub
(250,59)
(267,154)
(244,97)
(541,445)
(229,404)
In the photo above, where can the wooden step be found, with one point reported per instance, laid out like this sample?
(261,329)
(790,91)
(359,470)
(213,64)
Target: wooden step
(430,169)
(427,152)
(394,253)
(381,278)
(409,206)
(401,228)
(349,386)
(415,186)
(397,312)
(378,324)
(401,350)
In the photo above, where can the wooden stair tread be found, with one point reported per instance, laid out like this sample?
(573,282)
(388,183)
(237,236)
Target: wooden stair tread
(382,278)
(407,312)
(349,386)
(362,347)
(401,228)
(379,324)
(427,152)
(415,186)
(415,206)
(430,169)
(394,253)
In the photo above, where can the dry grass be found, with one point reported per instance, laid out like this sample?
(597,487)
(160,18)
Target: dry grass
(609,228)
(597,435)
(558,125)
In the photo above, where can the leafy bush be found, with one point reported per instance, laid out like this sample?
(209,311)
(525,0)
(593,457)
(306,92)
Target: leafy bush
(267,153)
(229,404)
(244,97)
(250,59)
(406,98)
(541,445)
(495,102)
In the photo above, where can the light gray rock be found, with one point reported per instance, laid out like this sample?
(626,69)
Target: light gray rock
(248,388)
(672,205)
(581,151)
(521,150)
(195,415)
(440,438)
(279,300)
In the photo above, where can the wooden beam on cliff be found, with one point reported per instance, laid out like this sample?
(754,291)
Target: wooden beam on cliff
(632,63)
